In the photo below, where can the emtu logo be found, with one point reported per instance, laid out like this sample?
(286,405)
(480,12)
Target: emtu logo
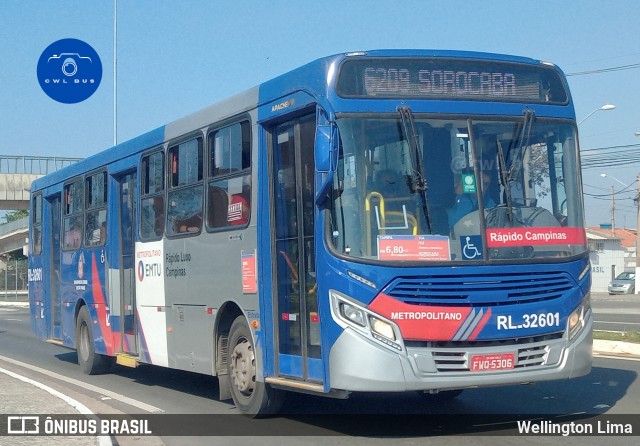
(69,71)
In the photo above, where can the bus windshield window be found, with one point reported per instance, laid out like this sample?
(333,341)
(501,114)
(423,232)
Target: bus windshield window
(503,189)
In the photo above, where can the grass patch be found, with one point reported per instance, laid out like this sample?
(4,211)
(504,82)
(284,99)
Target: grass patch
(627,336)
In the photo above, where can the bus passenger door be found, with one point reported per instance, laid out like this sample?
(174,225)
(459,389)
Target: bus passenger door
(126,261)
(55,298)
(298,324)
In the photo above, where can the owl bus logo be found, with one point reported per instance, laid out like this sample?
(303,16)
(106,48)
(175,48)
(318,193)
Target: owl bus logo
(69,71)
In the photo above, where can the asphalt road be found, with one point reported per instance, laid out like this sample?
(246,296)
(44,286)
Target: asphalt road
(616,312)
(476,417)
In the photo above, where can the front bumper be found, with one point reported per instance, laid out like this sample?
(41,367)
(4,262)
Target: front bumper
(359,364)
(619,290)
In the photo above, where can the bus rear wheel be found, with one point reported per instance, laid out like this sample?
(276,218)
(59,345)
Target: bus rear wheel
(251,397)
(90,362)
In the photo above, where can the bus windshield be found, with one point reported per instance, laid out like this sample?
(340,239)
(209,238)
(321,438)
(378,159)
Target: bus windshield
(414,188)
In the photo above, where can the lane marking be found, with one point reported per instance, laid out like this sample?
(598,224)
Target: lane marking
(621,357)
(77,405)
(620,323)
(116,396)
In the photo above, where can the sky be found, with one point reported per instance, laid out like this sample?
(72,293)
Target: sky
(175,57)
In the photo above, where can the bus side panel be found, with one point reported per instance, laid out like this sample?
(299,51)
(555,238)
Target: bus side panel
(151,302)
(71,263)
(83,278)
(105,341)
(38,299)
(201,273)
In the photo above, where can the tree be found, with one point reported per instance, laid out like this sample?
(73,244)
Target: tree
(15,215)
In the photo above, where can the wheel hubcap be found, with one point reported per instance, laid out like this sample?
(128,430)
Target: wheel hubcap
(243,370)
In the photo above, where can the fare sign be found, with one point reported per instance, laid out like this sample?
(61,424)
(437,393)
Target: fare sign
(414,247)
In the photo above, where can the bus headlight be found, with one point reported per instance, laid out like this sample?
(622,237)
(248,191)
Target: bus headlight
(382,328)
(352,314)
(347,312)
(574,319)
(577,318)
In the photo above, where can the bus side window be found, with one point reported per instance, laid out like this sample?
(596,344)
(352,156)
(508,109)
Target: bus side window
(72,232)
(184,211)
(217,207)
(36,222)
(229,202)
(72,226)
(229,177)
(152,196)
(96,209)
(152,218)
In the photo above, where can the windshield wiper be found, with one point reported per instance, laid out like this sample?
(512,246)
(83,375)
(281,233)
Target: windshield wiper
(504,179)
(523,143)
(418,183)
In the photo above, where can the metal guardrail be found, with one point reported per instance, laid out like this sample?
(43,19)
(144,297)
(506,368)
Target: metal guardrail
(39,165)
(14,295)
(13,279)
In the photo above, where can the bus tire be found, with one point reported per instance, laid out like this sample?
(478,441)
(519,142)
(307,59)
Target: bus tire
(251,397)
(90,362)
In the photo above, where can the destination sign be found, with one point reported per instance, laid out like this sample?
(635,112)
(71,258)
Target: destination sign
(478,80)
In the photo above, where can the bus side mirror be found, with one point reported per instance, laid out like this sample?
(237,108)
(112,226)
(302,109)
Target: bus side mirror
(323,148)
(326,157)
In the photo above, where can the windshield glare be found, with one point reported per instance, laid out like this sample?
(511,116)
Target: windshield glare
(415,189)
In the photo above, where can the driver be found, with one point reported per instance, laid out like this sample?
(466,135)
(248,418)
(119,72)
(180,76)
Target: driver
(466,203)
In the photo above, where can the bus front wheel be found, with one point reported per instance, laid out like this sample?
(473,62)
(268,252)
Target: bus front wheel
(251,397)
(90,362)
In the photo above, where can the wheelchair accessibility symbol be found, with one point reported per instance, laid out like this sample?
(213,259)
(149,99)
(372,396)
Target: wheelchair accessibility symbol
(471,247)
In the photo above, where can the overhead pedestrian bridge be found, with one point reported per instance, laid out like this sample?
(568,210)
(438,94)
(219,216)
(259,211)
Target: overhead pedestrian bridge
(18,172)
(16,175)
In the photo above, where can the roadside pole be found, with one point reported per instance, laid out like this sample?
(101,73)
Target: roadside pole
(637,200)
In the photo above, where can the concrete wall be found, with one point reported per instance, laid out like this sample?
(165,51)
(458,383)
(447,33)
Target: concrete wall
(15,190)
(13,235)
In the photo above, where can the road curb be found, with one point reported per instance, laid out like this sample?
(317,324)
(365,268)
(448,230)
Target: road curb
(28,385)
(616,348)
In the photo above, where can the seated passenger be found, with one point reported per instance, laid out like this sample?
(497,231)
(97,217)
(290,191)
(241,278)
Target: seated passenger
(98,236)
(73,238)
(189,224)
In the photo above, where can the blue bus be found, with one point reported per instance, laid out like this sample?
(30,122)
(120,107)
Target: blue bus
(389,221)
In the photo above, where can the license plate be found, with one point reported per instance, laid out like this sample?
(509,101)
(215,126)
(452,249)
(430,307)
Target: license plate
(494,361)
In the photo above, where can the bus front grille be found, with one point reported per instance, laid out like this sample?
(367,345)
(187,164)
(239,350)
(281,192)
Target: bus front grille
(480,289)
(459,361)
